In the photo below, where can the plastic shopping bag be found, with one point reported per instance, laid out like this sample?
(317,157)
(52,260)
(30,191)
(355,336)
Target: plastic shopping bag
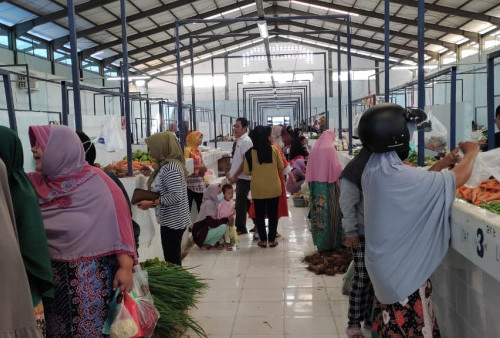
(436,139)
(109,138)
(487,164)
(124,318)
(233,234)
(148,314)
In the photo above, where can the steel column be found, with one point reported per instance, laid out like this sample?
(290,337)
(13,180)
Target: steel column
(74,66)
(490,89)
(180,120)
(126,97)
(10,102)
(339,84)
(325,74)
(193,99)
(421,76)
(148,119)
(386,50)
(453,108)
(349,88)
(64,95)
(213,103)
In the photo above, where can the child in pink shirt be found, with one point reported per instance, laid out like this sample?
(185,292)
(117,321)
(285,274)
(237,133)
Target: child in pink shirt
(226,209)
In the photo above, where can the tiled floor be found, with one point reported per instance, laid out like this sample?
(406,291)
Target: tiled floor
(267,292)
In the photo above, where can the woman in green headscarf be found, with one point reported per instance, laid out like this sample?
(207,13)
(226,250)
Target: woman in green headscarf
(29,224)
(169,180)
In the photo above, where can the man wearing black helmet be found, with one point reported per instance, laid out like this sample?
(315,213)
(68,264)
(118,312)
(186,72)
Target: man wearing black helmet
(407,220)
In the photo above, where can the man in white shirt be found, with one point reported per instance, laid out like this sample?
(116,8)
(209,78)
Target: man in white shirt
(236,175)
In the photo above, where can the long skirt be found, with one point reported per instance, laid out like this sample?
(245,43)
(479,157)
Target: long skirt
(82,294)
(412,317)
(282,204)
(325,215)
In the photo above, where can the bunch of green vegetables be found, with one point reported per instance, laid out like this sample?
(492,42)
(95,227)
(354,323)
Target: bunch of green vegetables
(140,156)
(492,206)
(174,290)
(413,159)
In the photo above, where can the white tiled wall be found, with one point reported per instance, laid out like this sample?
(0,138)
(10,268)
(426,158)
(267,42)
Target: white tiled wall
(466,299)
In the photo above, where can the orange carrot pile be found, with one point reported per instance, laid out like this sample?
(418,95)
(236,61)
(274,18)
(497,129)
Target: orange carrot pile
(135,164)
(487,191)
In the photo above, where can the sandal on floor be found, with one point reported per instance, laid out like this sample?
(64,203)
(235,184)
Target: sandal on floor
(262,244)
(354,332)
(229,247)
(273,244)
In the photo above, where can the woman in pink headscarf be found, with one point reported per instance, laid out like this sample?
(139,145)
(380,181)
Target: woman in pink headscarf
(323,173)
(89,232)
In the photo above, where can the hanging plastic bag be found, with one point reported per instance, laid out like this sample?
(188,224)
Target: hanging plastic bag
(436,139)
(109,138)
(487,164)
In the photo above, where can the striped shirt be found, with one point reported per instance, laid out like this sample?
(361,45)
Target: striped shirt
(173,211)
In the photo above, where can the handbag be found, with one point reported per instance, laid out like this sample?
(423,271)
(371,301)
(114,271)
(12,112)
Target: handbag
(141,195)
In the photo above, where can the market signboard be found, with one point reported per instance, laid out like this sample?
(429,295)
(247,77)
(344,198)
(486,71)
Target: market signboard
(475,233)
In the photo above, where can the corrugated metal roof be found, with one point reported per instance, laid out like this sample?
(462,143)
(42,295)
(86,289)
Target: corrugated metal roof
(447,21)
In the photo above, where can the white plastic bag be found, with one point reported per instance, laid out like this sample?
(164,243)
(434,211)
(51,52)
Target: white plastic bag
(109,138)
(437,139)
(487,164)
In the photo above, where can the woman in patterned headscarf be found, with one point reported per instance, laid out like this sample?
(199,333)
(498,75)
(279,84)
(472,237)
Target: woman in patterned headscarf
(195,182)
(89,232)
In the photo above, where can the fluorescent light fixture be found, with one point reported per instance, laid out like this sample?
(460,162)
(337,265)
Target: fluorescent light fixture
(459,42)
(130,78)
(487,29)
(357,75)
(323,8)
(414,67)
(262,25)
(98,53)
(205,81)
(229,11)
(278,77)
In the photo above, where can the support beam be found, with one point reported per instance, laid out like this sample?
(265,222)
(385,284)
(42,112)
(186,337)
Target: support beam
(380,16)
(126,93)
(89,51)
(74,67)
(452,11)
(59,42)
(25,26)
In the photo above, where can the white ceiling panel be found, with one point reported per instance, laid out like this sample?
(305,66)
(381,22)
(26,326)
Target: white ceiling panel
(144,5)
(141,56)
(142,25)
(162,36)
(451,3)
(114,7)
(163,18)
(397,40)
(476,26)
(10,14)
(143,42)
(183,12)
(452,38)
(153,63)
(454,21)
(80,23)
(81,44)
(367,5)
(97,15)
(102,37)
(479,6)
(49,31)
(204,6)
(39,6)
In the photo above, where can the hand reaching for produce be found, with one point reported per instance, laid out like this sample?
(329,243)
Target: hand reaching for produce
(146,171)
(452,158)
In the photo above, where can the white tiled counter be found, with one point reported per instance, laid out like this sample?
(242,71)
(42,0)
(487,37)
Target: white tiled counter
(467,283)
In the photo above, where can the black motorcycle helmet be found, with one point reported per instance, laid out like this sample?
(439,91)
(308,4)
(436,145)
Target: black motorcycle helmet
(383,128)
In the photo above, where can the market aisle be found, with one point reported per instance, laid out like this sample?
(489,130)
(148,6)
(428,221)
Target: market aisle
(257,292)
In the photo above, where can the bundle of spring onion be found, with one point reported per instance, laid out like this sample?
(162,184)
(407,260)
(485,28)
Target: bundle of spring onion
(492,206)
(174,290)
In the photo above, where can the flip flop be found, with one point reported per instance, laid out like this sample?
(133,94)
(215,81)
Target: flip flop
(354,332)
(229,247)
(262,244)
(273,244)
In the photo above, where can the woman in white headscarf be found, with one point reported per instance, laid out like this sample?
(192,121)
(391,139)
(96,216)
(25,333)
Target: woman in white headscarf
(407,221)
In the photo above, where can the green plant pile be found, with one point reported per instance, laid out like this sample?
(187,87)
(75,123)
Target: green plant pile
(140,156)
(174,290)
(492,206)
(413,159)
